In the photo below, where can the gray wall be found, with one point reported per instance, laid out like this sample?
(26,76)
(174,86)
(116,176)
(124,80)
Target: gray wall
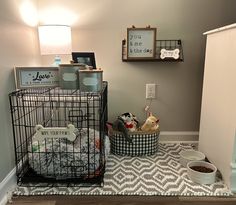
(102,25)
(18,47)
(180,84)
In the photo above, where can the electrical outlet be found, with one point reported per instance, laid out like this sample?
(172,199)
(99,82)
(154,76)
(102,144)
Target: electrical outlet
(150,91)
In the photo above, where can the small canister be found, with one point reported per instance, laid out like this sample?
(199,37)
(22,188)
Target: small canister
(90,80)
(69,75)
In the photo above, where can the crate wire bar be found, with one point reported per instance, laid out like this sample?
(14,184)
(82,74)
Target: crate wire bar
(59,161)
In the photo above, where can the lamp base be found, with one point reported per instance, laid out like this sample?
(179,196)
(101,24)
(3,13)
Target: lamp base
(57,61)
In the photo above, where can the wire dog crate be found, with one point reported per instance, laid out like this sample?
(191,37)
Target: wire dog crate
(59,135)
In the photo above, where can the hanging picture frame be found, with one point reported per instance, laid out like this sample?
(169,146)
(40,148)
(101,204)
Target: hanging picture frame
(86,58)
(141,43)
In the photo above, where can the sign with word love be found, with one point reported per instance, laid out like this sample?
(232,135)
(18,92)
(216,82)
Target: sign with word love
(141,43)
(33,77)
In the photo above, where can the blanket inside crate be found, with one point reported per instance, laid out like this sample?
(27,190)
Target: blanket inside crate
(61,158)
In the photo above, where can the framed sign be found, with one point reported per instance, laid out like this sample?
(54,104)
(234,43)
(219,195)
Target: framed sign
(36,77)
(141,43)
(86,58)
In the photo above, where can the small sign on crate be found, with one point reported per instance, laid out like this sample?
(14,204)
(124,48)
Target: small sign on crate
(55,132)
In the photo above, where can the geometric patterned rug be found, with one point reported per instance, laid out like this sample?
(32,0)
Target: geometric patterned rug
(161,174)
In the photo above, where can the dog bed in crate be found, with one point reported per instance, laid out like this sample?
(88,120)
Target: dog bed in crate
(143,143)
(65,159)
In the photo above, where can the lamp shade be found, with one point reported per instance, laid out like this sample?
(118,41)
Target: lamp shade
(54,39)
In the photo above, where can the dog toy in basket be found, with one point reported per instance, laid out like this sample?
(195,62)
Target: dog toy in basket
(127,122)
(151,124)
(144,142)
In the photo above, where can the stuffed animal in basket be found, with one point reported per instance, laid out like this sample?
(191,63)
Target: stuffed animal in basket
(151,124)
(127,122)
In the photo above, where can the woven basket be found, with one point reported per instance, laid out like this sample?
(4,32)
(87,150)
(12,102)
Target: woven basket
(143,143)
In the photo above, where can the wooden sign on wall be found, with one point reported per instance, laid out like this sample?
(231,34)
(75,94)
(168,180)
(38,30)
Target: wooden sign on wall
(141,43)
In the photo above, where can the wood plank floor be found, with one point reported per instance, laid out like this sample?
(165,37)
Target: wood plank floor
(121,200)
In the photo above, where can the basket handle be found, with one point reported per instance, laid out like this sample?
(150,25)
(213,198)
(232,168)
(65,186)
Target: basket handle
(109,129)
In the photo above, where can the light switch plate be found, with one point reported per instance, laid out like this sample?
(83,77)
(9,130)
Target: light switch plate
(150,91)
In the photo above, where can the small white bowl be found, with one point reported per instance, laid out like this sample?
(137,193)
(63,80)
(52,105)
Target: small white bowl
(201,177)
(190,155)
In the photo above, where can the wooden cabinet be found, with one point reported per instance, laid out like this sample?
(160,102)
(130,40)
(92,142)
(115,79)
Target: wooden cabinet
(217,136)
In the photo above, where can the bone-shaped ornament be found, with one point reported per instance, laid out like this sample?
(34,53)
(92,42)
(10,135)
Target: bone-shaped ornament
(55,132)
(169,53)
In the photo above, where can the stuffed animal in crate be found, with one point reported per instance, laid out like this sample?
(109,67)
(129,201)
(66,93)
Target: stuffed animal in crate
(127,122)
(151,124)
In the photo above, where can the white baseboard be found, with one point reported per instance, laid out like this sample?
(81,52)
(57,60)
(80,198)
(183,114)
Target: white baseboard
(183,136)
(6,186)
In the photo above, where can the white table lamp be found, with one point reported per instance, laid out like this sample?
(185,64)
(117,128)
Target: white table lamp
(55,40)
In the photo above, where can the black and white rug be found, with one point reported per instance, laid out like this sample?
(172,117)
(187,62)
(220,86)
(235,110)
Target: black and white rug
(161,174)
